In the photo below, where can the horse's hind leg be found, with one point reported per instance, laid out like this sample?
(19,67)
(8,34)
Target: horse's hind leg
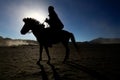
(67,51)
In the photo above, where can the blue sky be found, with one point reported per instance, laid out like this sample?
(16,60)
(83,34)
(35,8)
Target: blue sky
(86,19)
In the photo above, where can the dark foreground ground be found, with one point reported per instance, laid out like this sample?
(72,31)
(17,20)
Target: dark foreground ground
(93,62)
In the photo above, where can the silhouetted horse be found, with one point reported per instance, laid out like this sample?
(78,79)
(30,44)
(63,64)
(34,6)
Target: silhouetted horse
(46,36)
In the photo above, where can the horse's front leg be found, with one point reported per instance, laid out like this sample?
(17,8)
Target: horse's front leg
(40,53)
(47,51)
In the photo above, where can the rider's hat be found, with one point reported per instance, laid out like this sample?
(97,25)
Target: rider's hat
(51,8)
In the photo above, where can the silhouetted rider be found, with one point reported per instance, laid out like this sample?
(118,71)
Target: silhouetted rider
(54,21)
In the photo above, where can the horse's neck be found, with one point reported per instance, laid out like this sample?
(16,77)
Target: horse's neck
(37,32)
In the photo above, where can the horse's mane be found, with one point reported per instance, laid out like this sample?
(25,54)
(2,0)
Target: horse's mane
(31,20)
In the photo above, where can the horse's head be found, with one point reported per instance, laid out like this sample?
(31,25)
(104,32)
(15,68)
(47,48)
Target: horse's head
(30,24)
(26,26)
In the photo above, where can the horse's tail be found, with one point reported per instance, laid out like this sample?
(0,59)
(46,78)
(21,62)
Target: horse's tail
(73,41)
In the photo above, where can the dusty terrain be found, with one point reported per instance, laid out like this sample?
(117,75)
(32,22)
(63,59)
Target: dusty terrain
(93,62)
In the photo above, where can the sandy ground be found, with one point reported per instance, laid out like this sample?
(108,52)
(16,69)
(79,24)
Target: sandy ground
(93,62)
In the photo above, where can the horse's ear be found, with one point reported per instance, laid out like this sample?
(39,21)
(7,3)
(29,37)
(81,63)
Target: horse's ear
(24,19)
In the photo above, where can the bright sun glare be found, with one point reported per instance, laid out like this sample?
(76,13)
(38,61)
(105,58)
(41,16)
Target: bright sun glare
(40,16)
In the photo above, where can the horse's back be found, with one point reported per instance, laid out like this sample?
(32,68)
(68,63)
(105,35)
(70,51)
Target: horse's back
(55,36)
